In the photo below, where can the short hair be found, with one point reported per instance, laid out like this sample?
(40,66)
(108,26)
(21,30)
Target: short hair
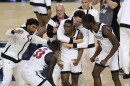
(79,13)
(32,21)
(55,45)
(69,21)
(88,18)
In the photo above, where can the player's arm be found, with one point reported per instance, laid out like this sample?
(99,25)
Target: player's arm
(38,40)
(61,36)
(83,44)
(108,34)
(112,4)
(97,52)
(80,51)
(14,32)
(50,32)
(52,27)
(64,38)
(51,62)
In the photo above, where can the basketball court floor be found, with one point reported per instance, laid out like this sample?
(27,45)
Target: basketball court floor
(12,15)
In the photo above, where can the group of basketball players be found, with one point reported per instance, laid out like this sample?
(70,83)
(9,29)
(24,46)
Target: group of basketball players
(70,39)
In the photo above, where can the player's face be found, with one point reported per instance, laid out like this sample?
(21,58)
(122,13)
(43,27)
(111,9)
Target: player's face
(68,27)
(87,25)
(85,4)
(32,28)
(77,21)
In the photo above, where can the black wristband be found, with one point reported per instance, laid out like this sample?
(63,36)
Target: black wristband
(91,45)
(49,42)
(48,7)
(74,45)
(71,41)
(12,32)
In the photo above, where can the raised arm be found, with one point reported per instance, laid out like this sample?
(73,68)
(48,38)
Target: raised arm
(13,32)
(51,28)
(112,4)
(60,34)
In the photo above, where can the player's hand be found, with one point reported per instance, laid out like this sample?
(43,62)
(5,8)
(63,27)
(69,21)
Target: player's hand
(77,41)
(18,31)
(67,45)
(103,62)
(55,29)
(92,59)
(75,62)
(60,63)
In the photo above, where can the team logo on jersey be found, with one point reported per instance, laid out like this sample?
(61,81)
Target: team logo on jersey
(97,60)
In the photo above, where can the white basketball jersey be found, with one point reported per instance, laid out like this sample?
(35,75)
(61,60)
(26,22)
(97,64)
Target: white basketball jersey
(104,42)
(37,60)
(70,53)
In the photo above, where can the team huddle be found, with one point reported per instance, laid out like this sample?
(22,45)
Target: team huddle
(69,40)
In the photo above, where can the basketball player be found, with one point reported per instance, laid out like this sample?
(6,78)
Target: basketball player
(42,57)
(52,27)
(123,19)
(71,57)
(42,9)
(19,40)
(88,9)
(77,24)
(74,43)
(107,50)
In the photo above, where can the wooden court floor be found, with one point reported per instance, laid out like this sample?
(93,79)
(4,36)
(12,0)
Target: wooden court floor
(13,15)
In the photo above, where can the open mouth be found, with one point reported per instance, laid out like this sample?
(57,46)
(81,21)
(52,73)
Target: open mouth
(66,32)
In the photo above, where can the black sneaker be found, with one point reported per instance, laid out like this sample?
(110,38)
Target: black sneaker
(126,76)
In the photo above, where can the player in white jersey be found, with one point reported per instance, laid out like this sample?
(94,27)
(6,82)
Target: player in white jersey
(43,57)
(42,9)
(90,50)
(124,21)
(107,50)
(71,57)
(52,27)
(77,23)
(88,9)
(19,40)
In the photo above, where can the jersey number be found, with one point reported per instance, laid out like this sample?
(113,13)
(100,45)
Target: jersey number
(38,54)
